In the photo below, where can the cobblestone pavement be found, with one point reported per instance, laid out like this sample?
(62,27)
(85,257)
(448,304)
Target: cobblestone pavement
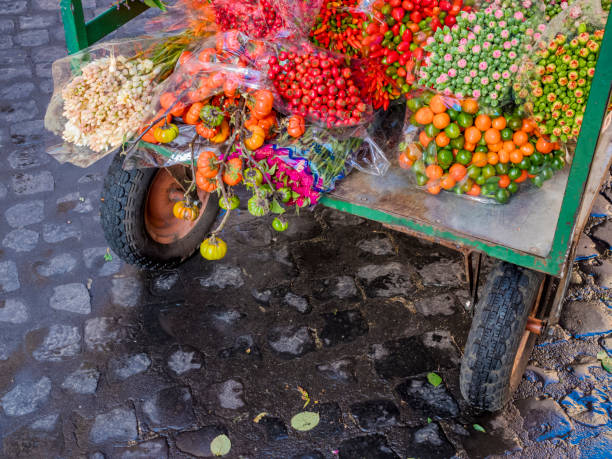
(100,360)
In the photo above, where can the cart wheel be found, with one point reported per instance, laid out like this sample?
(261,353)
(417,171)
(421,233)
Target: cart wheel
(499,346)
(136,216)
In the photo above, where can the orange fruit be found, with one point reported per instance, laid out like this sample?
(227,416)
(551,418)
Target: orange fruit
(504,181)
(479,159)
(457,171)
(433,187)
(516,156)
(528,125)
(404,161)
(437,104)
(523,177)
(504,156)
(424,139)
(441,120)
(469,106)
(492,158)
(520,138)
(469,146)
(499,123)
(442,139)
(472,135)
(495,147)
(482,122)
(492,136)
(447,182)
(544,146)
(474,191)
(424,115)
(508,146)
(433,172)
(527,149)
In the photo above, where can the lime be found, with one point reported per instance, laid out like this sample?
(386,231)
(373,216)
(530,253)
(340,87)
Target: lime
(488,171)
(419,167)
(421,179)
(480,180)
(414,104)
(538,181)
(463,157)
(482,141)
(431,130)
(536,158)
(458,142)
(547,173)
(502,168)
(524,164)
(515,123)
(514,173)
(445,158)
(464,120)
(506,134)
(481,149)
(489,189)
(502,196)
(452,113)
(558,163)
(512,187)
(452,131)
(466,185)
(473,171)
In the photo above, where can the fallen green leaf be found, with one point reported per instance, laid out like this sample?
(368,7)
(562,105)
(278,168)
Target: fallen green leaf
(428,420)
(108,256)
(220,445)
(479,428)
(434,379)
(606,361)
(305,420)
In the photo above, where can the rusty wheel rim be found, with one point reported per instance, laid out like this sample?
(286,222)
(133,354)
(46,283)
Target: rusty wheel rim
(161,225)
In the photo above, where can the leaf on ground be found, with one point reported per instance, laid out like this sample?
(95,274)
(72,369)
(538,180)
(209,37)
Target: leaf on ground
(107,255)
(479,428)
(259,417)
(434,379)
(220,445)
(606,361)
(305,396)
(306,420)
(428,420)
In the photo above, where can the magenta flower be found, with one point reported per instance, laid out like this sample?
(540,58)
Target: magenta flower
(476,93)
(512,55)
(483,66)
(452,73)
(430,40)
(484,81)
(488,10)
(505,75)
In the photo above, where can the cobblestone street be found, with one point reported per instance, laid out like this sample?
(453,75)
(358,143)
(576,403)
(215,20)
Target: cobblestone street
(99,360)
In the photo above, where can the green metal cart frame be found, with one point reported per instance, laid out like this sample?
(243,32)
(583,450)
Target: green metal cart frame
(536,230)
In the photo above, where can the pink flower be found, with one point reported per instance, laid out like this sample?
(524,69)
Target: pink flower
(462,63)
(493,95)
(476,49)
(473,73)
(472,17)
(496,76)
(507,45)
(496,54)
(575,12)
(527,4)
(448,57)
(514,68)
(447,91)
(563,5)
(498,87)
(528,47)
(529,32)
(492,24)
(471,36)
(514,42)
(444,78)
(486,45)
(498,14)
(518,16)
(484,81)
(505,75)
(461,49)
(476,93)
(502,24)
(452,73)
(459,95)
(455,28)
(464,14)
(505,33)
(541,27)
(477,29)
(512,55)
(537,35)
(467,80)
(448,38)
(488,10)
(430,40)
(483,66)
(463,41)
(490,36)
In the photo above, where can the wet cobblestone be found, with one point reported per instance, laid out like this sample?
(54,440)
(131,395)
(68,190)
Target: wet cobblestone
(101,361)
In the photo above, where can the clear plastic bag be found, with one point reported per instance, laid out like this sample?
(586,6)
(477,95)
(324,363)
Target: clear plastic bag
(555,81)
(102,94)
(451,145)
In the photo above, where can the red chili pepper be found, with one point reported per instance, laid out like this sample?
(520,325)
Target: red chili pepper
(398,14)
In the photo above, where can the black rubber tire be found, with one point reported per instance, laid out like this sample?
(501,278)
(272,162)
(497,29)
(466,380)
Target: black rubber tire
(497,328)
(122,216)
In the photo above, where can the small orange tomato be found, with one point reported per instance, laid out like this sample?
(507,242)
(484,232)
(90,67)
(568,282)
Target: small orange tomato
(479,159)
(447,182)
(516,156)
(492,158)
(504,181)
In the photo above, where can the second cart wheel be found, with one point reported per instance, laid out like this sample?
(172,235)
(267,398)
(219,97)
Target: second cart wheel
(499,346)
(136,216)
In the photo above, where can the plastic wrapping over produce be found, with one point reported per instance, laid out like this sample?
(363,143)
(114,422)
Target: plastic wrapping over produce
(555,80)
(452,145)
(269,19)
(315,84)
(102,94)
